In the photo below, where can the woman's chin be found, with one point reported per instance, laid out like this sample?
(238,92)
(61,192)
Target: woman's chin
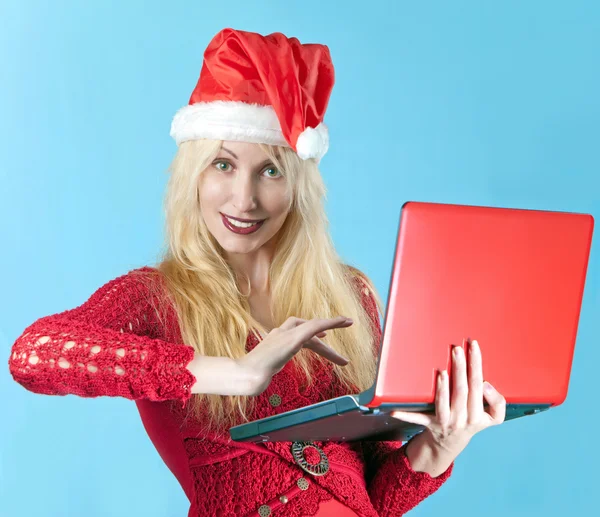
(235,246)
(233,243)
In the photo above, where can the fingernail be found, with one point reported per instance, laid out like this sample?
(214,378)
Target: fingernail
(487,387)
(349,320)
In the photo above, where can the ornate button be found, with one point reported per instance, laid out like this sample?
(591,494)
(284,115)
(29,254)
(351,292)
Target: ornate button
(320,469)
(283,499)
(302,484)
(275,400)
(264,510)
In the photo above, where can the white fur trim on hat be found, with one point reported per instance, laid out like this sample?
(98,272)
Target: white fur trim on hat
(227,120)
(313,142)
(235,120)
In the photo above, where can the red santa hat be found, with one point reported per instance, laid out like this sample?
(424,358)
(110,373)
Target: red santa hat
(261,89)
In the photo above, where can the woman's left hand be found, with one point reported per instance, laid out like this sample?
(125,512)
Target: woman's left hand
(459,417)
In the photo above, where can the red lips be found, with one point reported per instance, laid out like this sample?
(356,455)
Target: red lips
(241,231)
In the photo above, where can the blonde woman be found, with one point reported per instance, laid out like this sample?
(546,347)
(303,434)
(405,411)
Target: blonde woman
(250,312)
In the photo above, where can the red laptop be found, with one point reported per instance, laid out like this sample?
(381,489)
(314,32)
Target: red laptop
(512,279)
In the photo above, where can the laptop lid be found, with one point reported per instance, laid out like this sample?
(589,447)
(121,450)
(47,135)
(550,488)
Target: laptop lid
(513,279)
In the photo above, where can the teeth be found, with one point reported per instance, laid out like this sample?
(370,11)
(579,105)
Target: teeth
(240,224)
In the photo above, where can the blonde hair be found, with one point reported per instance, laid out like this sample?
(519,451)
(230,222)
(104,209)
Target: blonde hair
(307,279)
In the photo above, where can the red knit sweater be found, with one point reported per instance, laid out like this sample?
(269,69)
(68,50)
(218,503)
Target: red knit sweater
(114,345)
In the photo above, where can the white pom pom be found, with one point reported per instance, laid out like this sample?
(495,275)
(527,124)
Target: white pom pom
(313,142)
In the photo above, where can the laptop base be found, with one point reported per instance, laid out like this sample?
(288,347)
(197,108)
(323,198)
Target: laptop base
(345,419)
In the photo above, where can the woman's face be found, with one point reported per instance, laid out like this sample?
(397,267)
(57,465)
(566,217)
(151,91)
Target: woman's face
(243,197)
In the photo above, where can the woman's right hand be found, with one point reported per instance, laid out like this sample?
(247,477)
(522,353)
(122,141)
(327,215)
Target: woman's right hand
(284,342)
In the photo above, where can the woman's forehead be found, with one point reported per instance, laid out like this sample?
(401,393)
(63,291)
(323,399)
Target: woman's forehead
(247,149)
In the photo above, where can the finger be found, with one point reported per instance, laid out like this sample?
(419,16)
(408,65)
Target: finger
(291,323)
(442,398)
(316,345)
(475,379)
(307,330)
(460,389)
(412,418)
(497,404)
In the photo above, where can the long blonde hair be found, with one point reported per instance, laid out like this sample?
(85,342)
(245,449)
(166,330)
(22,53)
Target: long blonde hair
(307,278)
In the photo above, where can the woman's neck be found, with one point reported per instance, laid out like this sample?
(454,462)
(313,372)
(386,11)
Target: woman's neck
(253,267)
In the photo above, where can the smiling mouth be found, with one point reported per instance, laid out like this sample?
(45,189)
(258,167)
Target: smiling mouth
(241,226)
(253,221)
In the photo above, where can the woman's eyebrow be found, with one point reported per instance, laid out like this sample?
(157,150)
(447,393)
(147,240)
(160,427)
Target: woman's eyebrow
(230,152)
(268,161)
(265,163)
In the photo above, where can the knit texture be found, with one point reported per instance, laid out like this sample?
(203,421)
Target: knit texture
(116,345)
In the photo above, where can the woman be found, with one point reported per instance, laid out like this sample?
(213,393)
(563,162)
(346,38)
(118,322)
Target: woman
(251,312)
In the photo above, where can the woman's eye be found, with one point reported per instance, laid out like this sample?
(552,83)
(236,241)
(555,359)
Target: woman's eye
(272,172)
(223,166)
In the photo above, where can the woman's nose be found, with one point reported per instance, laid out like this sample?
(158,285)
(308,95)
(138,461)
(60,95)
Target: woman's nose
(244,193)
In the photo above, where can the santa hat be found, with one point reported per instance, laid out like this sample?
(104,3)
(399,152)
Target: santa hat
(261,89)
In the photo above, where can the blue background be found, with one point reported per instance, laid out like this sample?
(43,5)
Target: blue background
(489,103)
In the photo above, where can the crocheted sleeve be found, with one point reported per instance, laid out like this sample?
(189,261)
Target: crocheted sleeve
(104,347)
(394,487)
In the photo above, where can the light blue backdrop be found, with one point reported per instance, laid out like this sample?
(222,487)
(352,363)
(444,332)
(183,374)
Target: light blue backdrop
(491,103)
